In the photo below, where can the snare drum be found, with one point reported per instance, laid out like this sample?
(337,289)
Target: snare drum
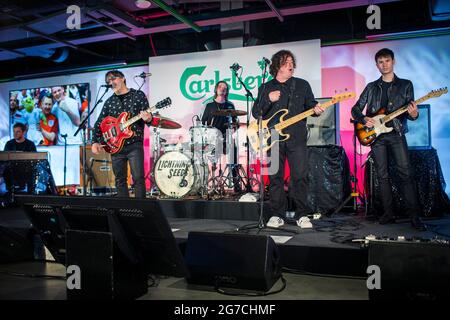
(167,147)
(176,175)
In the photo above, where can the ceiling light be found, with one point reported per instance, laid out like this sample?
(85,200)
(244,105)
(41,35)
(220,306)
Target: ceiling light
(143,4)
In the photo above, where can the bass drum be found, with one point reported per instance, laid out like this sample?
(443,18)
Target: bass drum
(176,175)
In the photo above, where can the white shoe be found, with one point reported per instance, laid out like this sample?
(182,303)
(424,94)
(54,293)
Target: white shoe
(304,223)
(275,222)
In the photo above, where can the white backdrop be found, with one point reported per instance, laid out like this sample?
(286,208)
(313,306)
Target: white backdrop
(189,79)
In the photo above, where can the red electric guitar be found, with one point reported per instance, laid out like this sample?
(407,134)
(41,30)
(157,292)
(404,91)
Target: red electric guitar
(116,130)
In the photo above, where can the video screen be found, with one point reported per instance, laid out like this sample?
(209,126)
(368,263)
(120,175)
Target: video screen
(419,131)
(51,114)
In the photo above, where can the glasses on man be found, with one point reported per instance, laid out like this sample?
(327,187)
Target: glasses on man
(111,78)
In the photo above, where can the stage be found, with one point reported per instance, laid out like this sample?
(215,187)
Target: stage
(333,247)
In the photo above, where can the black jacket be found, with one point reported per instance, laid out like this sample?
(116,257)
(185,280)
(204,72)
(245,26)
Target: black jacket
(400,93)
(301,100)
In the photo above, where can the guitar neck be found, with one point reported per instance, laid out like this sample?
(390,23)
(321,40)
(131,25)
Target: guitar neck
(301,116)
(403,109)
(138,117)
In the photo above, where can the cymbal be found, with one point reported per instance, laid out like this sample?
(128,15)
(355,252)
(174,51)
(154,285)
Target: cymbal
(164,123)
(230,112)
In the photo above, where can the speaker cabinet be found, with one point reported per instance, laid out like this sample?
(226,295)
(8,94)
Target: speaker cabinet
(411,270)
(232,260)
(105,274)
(99,169)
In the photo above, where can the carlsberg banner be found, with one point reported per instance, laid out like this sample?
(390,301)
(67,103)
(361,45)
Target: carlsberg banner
(189,79)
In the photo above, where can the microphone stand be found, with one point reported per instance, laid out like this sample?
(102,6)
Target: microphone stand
(248,95)
(65,161)
(82,126)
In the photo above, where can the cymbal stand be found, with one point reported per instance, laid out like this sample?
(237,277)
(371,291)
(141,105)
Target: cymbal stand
(156,152)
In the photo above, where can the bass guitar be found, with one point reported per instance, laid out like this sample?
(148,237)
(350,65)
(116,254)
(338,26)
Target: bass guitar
(277,123)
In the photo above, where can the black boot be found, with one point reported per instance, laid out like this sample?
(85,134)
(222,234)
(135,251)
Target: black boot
(386,218)
(417,223)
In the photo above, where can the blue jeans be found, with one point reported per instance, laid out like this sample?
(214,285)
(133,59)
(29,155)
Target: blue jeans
(392,145)
(134,154)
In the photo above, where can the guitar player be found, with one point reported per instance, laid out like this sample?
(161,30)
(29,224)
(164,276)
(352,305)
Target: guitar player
(391,93)
(133,102)
(285,91)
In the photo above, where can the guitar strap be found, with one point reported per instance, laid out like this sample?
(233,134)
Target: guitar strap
(291,94)
(396,123)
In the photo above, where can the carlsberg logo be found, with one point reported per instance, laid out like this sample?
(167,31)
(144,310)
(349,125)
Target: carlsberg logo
(194,87)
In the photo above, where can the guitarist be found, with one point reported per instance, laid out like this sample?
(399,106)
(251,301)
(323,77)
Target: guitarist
(391,93)
(285,91)
(134,102)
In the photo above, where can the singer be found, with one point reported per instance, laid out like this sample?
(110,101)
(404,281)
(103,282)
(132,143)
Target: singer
(133,102)
(285,91)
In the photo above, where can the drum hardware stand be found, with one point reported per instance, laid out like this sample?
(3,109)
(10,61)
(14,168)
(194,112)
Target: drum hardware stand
(156,154)
(233,174)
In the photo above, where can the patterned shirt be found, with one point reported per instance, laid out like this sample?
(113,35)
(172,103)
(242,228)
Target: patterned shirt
(132,102)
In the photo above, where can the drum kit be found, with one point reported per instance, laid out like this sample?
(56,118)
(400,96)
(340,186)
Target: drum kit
(194,168)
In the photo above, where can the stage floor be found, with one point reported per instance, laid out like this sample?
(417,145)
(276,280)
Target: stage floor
(326,250)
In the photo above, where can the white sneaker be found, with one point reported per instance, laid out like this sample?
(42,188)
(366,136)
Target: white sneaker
(275,222)
(304,223)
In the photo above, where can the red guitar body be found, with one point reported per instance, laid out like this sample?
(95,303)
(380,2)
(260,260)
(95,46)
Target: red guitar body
(113,133)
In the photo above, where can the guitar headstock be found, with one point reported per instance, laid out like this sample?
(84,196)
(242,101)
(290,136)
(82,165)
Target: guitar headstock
(437,93)
(163,103)
(343,96)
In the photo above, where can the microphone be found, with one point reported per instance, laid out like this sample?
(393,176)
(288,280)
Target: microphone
(267,61)
(143,75)
(235,66)
(106,86)
(64,135)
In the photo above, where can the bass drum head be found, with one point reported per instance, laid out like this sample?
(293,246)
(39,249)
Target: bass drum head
(174,174)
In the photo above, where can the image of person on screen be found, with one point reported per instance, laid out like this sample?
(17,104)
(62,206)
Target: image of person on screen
(221,123)
(34,114)
(134,102)
(285,91)
(48,122)
(19,142)
(391,93)
(17,112)
(67,112)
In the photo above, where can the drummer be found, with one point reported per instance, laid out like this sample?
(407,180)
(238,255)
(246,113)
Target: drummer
(221,102)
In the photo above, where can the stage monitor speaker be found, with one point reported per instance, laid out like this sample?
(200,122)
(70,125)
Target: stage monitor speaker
(15,245)
(232,260)
(411,270)
(323,130)
(99,169)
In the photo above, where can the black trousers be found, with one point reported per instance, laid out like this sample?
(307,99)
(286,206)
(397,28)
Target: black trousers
(134,154)
(296,154)
(392,145)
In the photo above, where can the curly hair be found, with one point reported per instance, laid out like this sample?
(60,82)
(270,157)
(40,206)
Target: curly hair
(278,59)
